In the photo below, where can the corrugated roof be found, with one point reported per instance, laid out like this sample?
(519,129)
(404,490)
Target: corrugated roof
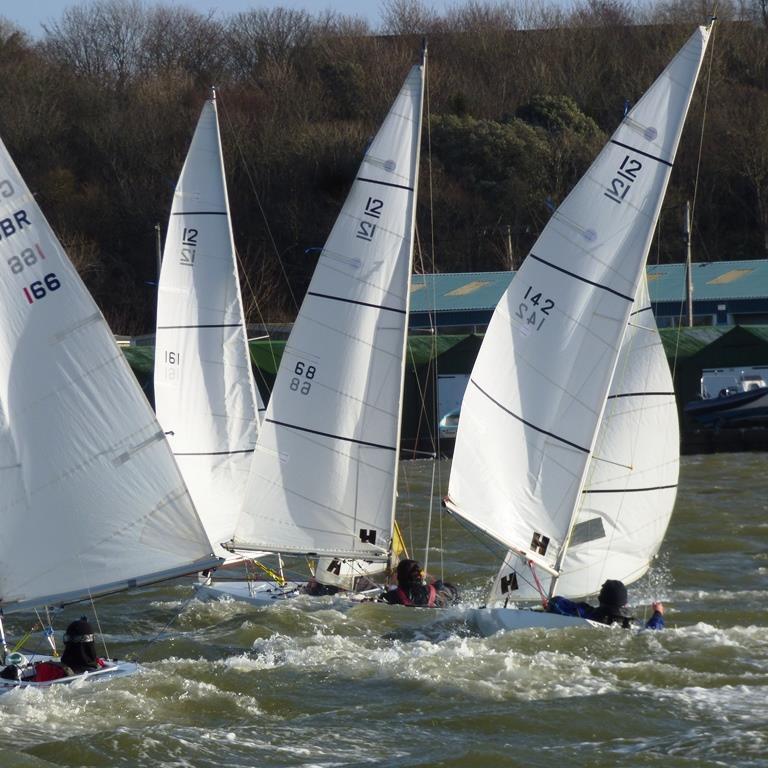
(712,281)
(458,291)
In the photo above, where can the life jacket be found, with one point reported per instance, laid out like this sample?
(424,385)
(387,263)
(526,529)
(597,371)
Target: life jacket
(45,671)
(405,599)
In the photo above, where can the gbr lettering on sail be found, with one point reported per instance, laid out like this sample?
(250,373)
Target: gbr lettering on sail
(27,261)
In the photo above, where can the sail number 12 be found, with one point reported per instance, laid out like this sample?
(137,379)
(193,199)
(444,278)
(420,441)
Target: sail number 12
(534,303)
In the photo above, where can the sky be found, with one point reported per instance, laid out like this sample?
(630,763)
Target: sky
(30,14)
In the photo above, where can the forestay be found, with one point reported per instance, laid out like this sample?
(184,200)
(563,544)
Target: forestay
(92,499)
(631,483)
(204,391)
(324,472)
(531,412)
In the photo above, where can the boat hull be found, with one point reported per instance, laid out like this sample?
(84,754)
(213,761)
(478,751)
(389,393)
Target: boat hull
(262,593)
(253,592)
(489,621)
(738,409)
(111,670)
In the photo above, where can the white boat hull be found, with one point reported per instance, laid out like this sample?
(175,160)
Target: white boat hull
(111,670)
(254,592)
(263,593)
(489,621)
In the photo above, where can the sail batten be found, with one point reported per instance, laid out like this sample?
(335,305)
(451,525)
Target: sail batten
(579,277)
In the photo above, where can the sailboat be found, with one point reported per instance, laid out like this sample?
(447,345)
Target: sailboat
(205,397)
(324,473)
(93,502)
(566,451)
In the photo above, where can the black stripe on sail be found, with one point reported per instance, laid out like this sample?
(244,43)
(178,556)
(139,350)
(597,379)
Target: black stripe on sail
(640,152)
(579,277)
(641,394)
(213,325)
(528,423)
(215,453)
(385,183)
(630,490)
(332,436)
(640,311)
(199,213)
(353,301)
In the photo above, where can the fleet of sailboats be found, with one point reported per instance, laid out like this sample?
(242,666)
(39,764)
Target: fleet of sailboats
(557,454)
(567,447)
(93,502)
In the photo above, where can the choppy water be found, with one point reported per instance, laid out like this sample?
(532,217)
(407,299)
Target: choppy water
(313,684)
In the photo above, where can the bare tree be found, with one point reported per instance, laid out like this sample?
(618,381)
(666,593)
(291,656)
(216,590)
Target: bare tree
(180,39)
(102,40)
(263,38)
(406,17)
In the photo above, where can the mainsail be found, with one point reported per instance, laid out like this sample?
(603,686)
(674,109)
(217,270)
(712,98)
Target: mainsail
(323,477)
(536,396)
(631,485)
(204,392)
(92,499)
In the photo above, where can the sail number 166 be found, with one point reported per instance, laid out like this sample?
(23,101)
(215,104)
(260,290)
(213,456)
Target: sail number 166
(302,380)
(534,308)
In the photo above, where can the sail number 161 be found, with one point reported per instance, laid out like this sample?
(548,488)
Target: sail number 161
(534,308)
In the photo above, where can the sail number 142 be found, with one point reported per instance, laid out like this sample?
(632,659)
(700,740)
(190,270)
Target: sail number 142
(534,308)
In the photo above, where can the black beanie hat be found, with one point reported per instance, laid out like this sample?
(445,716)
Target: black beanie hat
(613,594)
(79,631)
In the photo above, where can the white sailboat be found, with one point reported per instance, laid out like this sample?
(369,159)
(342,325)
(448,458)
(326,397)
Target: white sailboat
(205,397)
(92,502)
(324,474)
(566,451)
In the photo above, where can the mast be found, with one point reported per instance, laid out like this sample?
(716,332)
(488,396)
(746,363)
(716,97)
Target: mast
(410,273)
(688,264)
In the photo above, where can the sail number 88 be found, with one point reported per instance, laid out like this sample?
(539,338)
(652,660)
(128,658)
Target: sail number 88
(305,371)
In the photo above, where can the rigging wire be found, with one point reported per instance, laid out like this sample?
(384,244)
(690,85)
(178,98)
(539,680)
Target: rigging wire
(697,175)
(253,298)
(156,637)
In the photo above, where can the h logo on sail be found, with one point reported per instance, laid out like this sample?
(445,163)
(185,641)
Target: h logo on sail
(508,583)
(367,536)
(539,543)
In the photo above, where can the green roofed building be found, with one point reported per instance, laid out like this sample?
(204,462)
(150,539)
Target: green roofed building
(724,293)
(449,314)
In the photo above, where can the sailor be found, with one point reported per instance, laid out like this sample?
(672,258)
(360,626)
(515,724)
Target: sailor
(316,588)
(79,647)
(612,608)
(413,589)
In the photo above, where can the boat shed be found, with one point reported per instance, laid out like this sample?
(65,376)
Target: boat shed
(724,293)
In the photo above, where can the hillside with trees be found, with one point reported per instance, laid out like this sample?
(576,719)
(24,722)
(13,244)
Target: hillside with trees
(99,110)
